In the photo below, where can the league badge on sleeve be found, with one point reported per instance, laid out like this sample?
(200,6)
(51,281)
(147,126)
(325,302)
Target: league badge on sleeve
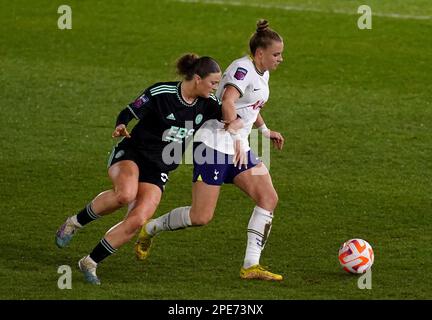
(240,73)
(140,101)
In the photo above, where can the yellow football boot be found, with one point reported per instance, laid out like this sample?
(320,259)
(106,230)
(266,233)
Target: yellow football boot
(143,244)
(260,273)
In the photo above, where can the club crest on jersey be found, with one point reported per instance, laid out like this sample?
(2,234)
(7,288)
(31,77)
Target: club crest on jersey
(198,118)
(140,101)
(240,73)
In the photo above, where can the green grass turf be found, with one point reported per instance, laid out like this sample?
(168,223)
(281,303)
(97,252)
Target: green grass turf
(354,106)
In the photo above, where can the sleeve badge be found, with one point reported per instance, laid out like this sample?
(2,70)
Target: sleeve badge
(141,101)
(240,73)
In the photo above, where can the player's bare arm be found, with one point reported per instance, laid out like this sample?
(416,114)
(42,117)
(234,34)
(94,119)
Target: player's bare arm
(230,96)
(276,137)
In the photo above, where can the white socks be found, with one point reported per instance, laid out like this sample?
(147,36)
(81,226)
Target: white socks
(258,231)
(177,218)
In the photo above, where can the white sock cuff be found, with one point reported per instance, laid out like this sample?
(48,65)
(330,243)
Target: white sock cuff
(178,218)
(186,216)
(262,211)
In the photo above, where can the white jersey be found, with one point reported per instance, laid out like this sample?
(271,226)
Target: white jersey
(254,92)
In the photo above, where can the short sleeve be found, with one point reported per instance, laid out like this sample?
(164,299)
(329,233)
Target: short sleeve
(238,76)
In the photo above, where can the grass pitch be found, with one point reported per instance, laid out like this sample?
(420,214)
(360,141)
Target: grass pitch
(354,106)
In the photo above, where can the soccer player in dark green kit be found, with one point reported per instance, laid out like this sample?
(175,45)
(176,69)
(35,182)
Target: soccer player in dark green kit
(168,114)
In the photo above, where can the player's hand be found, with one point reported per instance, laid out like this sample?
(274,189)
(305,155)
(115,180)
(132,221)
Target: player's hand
(240,157)
(120,131)
(276,138)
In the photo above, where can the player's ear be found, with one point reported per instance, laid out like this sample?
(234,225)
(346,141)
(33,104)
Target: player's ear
(197,79)
(259,52)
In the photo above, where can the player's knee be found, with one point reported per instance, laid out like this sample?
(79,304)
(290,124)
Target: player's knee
(125,197)
(269,201)
(274,199)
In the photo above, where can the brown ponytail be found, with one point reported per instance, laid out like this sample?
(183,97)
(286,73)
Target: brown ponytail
(263,36)
(190,64)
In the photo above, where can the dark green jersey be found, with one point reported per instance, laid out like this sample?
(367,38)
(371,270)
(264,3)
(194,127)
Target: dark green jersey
(166,122)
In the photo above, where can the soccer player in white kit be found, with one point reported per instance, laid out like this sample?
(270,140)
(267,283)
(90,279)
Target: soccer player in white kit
(221,157)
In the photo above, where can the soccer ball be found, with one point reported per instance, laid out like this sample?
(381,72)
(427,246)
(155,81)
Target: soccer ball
(356,256)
